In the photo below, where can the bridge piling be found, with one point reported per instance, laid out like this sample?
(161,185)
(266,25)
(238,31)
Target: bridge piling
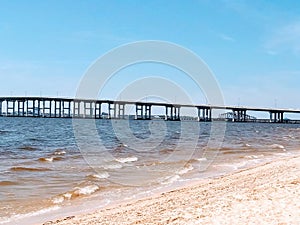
(21,108)
(142,111)
(98,110)
(88,109)
(76,108)
(276,117)
(121,111)
(10,111)
(172,113)
(204,114)
(239,115)
(111,110)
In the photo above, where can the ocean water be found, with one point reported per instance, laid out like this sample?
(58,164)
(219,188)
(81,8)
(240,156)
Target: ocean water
(49,166)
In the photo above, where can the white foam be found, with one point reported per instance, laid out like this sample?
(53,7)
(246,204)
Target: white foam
(127,159)
(67,195)
(58,200)
(87,190)
(49,159)
(17,217)
(277,146)
(239,165)
(171,179)
(112,166)
(59,152)
(103,175)
(78,191)
(185,170)
(201,159)
(253,156)
(234,166)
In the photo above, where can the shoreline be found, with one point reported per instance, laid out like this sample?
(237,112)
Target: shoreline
(265,194)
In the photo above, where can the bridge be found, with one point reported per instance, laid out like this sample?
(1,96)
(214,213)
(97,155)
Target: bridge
(231,116)
(94,108)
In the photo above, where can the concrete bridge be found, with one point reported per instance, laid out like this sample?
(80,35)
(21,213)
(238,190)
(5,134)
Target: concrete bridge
(94,108)
(231,116)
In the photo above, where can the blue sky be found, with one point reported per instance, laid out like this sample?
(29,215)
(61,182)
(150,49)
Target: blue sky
(253,47)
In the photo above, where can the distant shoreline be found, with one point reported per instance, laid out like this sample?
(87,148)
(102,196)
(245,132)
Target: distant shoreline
(265,194)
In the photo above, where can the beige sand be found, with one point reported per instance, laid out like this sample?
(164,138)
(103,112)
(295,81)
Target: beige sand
(267,194)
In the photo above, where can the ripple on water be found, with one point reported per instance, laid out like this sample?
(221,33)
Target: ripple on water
(8,183)
(29,169)
(98,176)
(28,148)
(50,159)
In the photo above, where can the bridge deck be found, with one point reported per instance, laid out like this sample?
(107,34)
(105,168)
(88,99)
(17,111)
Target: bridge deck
(233,108)
(56,107)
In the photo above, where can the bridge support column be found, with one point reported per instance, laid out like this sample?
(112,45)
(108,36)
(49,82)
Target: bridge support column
(50,108)
(33,108)
(23,107)
(281,117)
(172,113)
(57,108)
(14,108)
(1,108)
(204,114)
(76,108)
(10,108)
(116,110)
(7,108)
(27,107)
(138,112)
(142,111)
(239,115)
(276,117)
(20,107)
(88,109)
(47,109)
(66,108)
(121,111)
(111,111)
(148,112)
(39,108)
(98,110)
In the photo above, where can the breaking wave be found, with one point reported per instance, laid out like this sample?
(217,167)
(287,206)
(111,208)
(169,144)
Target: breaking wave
(127,159)
(75,193)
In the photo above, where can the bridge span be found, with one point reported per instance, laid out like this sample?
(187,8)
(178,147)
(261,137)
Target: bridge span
(94,108)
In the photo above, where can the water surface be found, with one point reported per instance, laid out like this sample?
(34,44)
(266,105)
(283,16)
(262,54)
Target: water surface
(44,170)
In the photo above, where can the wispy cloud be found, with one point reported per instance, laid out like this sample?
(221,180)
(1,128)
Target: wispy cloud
(246,9)
(285,38)
(279,30)
(226,37)
(94,35)
(271,52)
(37,78)
(280,85)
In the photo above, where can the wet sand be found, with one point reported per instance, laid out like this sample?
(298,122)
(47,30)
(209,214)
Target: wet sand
(266,194)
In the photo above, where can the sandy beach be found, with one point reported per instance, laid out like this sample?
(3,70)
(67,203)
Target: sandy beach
(266,194)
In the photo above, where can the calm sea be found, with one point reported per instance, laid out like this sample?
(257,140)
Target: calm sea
(47,169)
